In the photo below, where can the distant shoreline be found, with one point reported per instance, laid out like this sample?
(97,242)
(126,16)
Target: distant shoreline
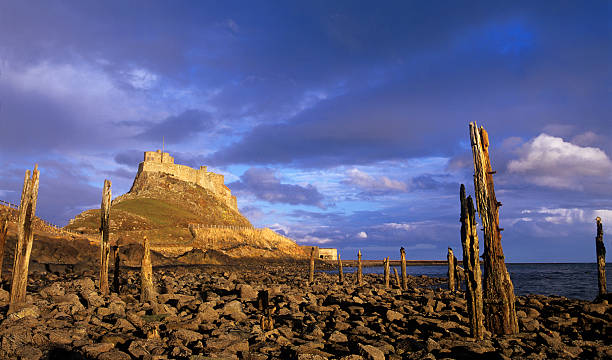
(374,263)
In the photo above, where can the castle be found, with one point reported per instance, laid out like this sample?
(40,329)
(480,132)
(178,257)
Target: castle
(158,161)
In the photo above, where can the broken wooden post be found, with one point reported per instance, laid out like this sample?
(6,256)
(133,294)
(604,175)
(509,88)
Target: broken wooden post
(359,273)
(147,289)
(386,262)
(451,269)
(340,272)
(601,258)
(263,304)
(471,264)
(499,299)
(403,268)
(312,265)
(397,279)
(116,272)
(25,238)
(3,232)
(104,229)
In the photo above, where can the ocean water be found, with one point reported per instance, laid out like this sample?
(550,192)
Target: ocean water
(577,280)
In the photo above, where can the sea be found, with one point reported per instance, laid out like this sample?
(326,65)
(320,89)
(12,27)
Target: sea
(571,280)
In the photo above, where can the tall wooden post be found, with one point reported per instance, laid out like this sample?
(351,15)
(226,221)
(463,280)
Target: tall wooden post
(25,238)
(601,258)
(340,272)
(386,262)
(359,272)
(3,232)
(499,300)
(117,269)
(471,263)
(147,290)
(104,229)
(312,265)
(451,269)
(403,268)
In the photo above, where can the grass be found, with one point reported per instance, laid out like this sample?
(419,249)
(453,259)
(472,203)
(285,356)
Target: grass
(158,212)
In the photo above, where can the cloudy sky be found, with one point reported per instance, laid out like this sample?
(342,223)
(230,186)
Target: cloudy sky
(343,124)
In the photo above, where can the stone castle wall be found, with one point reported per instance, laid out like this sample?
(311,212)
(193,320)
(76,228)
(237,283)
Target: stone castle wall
(156,161)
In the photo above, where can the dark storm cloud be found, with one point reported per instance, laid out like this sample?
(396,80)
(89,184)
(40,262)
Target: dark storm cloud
(130,158)
(264,185)
(175,129)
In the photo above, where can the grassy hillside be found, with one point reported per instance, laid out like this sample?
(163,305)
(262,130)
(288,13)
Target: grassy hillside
(160,207)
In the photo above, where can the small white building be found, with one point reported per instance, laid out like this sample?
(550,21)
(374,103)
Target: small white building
(328,254)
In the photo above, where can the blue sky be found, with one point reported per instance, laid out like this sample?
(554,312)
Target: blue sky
(342,124)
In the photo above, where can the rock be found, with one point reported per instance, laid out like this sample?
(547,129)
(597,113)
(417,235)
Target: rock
(207,314)
(188,336)
(114,355)
(596,308)
(61,337)
(29,352)
(352,357)
(370,352)
(393,315)
(532,313)
(234,310)
(93,299)
(337,337)
(5,296)
(247,293)
(97,349)
(431,345)
(117,308)
(29,311)
(52,290)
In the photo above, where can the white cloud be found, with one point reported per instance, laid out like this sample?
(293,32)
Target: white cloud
(375,184)
(141,79)
(550,161)
(565,215)
(362,235)
(91,93)
(309,239)
(399,226)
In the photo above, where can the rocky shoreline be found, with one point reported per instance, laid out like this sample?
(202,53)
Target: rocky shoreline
(210,312)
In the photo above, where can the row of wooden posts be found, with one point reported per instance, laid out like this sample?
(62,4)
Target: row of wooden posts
(493,308)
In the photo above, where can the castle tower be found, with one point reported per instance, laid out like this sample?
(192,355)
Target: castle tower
(159,161)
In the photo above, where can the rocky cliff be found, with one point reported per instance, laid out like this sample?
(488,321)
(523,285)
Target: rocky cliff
(163,207)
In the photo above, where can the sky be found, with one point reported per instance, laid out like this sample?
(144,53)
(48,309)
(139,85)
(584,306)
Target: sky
(337,123)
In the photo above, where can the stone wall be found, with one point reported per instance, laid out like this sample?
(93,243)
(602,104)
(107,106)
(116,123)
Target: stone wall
(156,161)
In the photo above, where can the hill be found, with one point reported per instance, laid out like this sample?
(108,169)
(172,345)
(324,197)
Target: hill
(163,204)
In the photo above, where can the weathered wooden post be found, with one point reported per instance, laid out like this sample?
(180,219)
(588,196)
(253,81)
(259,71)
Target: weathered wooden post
(3,232)
(601,258)
(147,290)
(104,229)
(471,263)
(397,279)
(25,238)
(340,272)
(263,304)
(386,262)
(312,265)
(117,266)
(451,269)
(499,300)
(359,273)
(403,268)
